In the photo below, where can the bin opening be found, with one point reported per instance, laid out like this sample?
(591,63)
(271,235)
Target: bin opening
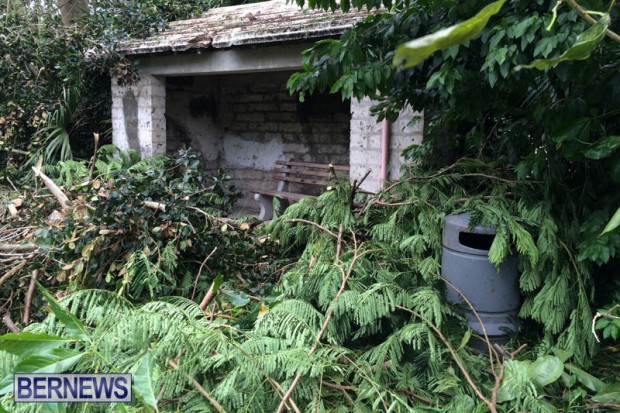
(476,241)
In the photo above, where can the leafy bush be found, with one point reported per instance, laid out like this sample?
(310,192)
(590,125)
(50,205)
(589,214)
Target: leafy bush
(142,228)
(42,59)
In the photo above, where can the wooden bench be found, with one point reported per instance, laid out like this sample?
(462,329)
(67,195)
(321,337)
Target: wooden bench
(299,174)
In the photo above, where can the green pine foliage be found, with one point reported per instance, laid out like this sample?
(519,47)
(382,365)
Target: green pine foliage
(360,317)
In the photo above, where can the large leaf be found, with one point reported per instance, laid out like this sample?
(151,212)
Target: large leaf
(585,378)
(56,361)
(416,51)
(144,378)
(584,46)
(613,223)
(74,327)
(608,394)
(603,148)
(27,344)
(545,370)
(237,298)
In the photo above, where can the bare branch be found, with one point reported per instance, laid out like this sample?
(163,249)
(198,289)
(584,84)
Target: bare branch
(18,247)
(202,391)
(304,221)
(200,272)
(12,272)
(8,322)
(157,206)
(60,196)
(33,279)
(584,15)
(358,253)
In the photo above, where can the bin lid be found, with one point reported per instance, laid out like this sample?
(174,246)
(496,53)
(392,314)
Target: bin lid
(458,237)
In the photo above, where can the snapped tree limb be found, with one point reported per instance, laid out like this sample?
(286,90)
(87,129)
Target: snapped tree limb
(60,196)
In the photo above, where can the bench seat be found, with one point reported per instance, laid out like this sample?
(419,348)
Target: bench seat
(304,174)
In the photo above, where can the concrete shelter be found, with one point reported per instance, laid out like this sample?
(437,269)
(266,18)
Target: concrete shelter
(218,84)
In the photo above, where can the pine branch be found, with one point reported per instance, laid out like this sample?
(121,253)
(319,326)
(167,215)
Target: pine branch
(491,404)
(202,391)
(305,221)
(280,392)
(358,253)
(484,330)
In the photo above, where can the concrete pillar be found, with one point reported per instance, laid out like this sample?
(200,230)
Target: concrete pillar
(365,145)
(138,120)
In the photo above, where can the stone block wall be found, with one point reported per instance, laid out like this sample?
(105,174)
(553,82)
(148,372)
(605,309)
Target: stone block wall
(365,143)
(244,123)
(138,120)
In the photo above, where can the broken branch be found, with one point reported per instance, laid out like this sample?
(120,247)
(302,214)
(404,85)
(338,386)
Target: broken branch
(18,247)
(54,189)
(8,322)
(29,294)
(12,272)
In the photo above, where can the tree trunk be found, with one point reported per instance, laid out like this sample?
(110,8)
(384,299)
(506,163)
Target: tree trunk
(72,10)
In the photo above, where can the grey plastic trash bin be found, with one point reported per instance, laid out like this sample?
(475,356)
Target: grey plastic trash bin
(494,294)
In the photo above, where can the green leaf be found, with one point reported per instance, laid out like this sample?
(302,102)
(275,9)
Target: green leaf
(584,45)
(144,378)
(613,223)
(608,394)
(586,378)
(603,148)
(58,360)
(74,327)
(545,370)
(563,355)
(27,344)
(465,340)
(237,298)
(416,51)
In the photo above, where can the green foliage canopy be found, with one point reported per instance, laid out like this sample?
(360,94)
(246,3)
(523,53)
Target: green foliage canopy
(557,127)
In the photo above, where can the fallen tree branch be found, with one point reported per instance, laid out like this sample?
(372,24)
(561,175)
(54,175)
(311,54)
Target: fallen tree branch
(358,253)
(54,189)
(8,322)
(12,272)
(202,391)
(18,247)
(155,206)
(280,392)
(29,294)
(455,357)
(305,221)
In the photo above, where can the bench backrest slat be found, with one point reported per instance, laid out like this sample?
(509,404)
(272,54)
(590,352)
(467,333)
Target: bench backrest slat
(306,181)
(313,165)
(308,172)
